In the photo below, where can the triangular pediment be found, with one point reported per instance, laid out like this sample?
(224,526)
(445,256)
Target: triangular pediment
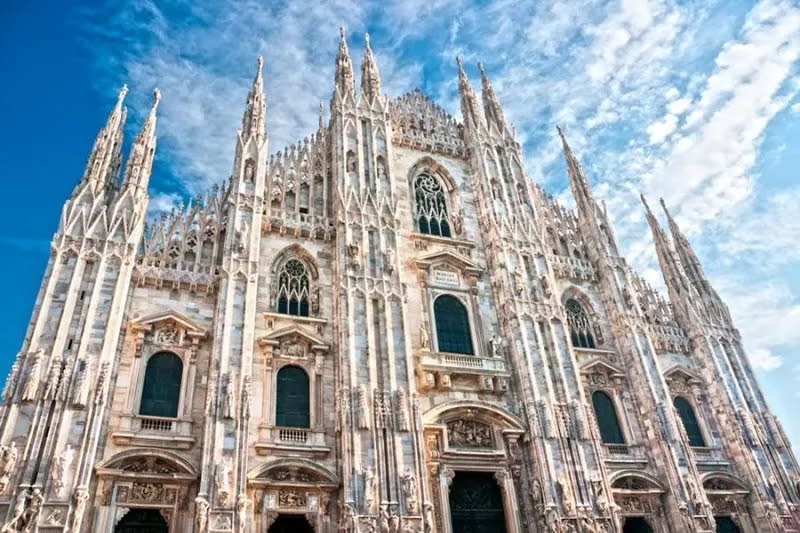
(165,317)
(295,334)
(682,373)
(450,258)
(603,367)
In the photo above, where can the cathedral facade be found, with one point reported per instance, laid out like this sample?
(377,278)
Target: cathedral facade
(385,328)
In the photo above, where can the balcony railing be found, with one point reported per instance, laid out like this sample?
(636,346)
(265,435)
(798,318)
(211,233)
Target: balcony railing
(293,435)
(468,363)
(162,425)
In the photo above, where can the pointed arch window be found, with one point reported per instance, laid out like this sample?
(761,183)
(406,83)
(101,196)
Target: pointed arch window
(579,327)
(607,421)
(431,205)
(162,385)
(293,289)
(452,325)
(690,423)
(292,398)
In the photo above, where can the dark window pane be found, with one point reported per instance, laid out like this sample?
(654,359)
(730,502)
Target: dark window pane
(690,424)
(162,385)
(292,398)
(606,415)
(452,326)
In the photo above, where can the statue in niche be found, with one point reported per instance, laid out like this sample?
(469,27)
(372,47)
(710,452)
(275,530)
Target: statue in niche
(409,485)
(200,513)
(32,384)
(545,285)
(222,481)
(314,301)
(429,519)
(228,403)
(246,396)
(383,520)
(369,489)
(566,495)
(8,460)
(242,503)
(519,280)
(58,472)
(53,378)
(388,261)
(381,170)
(243,237)
(394,521)
(424,337)
(363,407)
(348,522)
(81,387)
(457,220)
(26,511)
(249,170)
(496,345)
(351,162)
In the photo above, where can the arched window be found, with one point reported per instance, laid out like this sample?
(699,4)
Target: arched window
(452,325)
(431,206)
(690,424)
(607,420)
(579,327)
(162,385)
(293,288)
(291,398)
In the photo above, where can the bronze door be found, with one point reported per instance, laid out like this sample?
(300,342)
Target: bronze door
(142,521)
(476,504)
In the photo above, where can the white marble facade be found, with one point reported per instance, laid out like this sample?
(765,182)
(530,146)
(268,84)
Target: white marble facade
(555,316)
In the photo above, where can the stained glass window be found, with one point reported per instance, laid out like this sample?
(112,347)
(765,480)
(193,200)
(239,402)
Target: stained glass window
(607,420)
(292,398)
(690,423)
(579,326)
(162,385)
(431,206)
(293,288)
(452,325)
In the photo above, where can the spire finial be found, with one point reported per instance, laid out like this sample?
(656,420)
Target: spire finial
(491,105)
(370,79)
(254,114)
(344,66)
(341,33)
(122,92)
(156,99)
(260,63)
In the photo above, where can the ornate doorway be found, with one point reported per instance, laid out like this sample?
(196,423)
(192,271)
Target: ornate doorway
(636,524)
(142,521)
(287,523)
(725,524)
(476,504)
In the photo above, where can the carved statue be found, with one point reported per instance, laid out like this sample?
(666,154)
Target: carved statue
(246,396)
(200,514)
(388,260)
(409,485)
(363,407)
(383,520)
(545,286)
(369,489)
(26,512)
(519,280)
(424,337)
(249,170)
(32,384)
(242,503)
(58,471)
(496,345)
(228,403)
(458,222)
(80,395)
(566,495)
(222,481)
(348,522)
(53,378)
(394,522)
(81,497)
(211,398)
(8,460)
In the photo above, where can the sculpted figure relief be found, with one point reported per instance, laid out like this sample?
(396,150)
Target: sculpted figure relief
(409,484)
(8,460)
(200,513)
(424,337)
(58,471)
(369,489)
(222,480)
(32,384)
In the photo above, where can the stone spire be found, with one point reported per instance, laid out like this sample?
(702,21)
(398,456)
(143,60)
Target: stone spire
(102,167)
(664,251)
(140,160)
(491,105)
(255,113)
(321,124)
(469,102)
(693,270)
(370,78)
(344,68)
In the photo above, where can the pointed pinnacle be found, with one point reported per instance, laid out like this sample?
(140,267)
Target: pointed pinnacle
(260,65)
(366,40)
(480,69)
(341,33)
(156,99)
(122,92)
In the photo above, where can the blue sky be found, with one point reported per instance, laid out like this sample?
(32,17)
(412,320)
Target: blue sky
(695,101)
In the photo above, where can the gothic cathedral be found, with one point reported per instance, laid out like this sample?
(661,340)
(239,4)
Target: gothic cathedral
(385,328)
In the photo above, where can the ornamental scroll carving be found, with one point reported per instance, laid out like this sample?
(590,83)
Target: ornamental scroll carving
(469,434)
(292,498)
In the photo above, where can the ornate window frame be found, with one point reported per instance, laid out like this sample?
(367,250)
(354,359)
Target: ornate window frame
(453,215)
(684,383)
(298,253)
(602,376)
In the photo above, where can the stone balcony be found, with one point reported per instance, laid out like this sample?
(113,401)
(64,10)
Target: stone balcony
(624,455)
(139,430)
(709,457)
(444,371)
(290,439)
(571,268)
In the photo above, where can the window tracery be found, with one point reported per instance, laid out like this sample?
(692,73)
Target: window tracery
(431,206)
(579,326)
(293,288)
(162,385)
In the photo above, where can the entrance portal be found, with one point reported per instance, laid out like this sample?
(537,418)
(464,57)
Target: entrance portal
(142,521)
(725,524)
(289,523)
(636,524)
(476,505)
